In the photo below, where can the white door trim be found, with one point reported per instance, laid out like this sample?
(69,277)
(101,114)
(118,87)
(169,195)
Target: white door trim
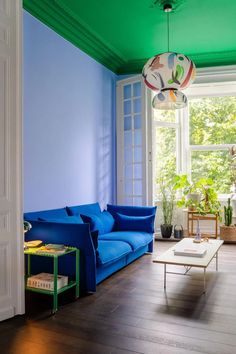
(11,225)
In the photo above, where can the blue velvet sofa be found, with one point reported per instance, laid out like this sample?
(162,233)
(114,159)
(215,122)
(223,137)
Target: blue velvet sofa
(108,240)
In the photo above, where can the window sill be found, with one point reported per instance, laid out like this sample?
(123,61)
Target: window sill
(221,198)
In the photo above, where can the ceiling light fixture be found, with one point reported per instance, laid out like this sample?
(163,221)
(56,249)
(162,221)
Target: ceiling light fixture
(167,73)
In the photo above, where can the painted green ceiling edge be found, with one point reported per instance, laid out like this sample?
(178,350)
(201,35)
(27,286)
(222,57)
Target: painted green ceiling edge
(201,61)
(65,24)
(59,18)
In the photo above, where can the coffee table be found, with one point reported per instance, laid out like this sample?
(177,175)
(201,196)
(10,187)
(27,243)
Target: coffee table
(212,247)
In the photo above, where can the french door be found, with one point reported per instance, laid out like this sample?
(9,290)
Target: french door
(133,147)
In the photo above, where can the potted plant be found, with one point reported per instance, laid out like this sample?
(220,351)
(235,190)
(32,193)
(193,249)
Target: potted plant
(228,231)
(200,195)
(209,203)
(190,195)
(167,194)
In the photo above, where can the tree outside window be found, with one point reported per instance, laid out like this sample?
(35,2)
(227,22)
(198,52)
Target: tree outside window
(212,129)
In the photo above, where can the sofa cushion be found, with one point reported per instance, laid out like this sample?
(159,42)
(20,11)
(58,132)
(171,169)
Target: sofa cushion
(136,239)
(131,210)
(84,209)
(132,223)
(102,222)
(111,251)
(75,219)
(53,213)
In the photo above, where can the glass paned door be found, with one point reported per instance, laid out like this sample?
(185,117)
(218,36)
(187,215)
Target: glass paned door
(131,148)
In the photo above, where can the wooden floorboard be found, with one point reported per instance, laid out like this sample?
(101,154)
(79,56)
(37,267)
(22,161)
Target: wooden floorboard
(131,313)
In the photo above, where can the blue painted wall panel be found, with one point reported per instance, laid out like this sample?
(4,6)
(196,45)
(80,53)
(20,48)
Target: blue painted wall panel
(69,123)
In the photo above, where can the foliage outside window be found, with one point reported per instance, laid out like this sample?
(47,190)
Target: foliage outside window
(212,128)
(165,150)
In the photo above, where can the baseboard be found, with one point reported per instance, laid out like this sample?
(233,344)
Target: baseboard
(6,313)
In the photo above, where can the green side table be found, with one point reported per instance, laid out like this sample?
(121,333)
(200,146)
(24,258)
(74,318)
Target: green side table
(72,283)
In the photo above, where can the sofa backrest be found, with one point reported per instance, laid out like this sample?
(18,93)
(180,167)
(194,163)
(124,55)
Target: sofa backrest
(53,213)
(93,208)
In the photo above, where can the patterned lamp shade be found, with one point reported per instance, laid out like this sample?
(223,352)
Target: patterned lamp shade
(169,99)
(169,71)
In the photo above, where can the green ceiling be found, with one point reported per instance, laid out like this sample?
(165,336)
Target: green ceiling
(123,34)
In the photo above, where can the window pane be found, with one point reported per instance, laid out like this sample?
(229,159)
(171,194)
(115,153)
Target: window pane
(165,154)
(128,201)
(212,120)
(127,91)
(165,116)
(137,89)
(137,171)
(129,171)
(137,154)
(137,105)
(137,187)
(128,187)
(128,123)
(128,155)
(128,138)
(137,201)
(137,137)
(127,107)
(137,121)
(214,165)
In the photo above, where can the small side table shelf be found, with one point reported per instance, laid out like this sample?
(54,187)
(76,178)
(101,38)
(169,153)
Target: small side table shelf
(72,283)
(194,216)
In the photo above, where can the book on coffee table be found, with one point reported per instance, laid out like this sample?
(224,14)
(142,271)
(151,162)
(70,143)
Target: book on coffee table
(190,251)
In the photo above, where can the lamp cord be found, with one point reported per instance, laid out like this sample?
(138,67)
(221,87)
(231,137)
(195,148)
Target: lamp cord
(168,32)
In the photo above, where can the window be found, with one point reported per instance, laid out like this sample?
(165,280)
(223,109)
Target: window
(212,130)
(166,136)
(193,141)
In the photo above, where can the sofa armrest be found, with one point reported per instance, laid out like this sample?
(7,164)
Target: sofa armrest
(76,235)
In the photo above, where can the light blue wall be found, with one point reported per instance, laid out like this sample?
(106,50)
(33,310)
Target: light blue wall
(69,123)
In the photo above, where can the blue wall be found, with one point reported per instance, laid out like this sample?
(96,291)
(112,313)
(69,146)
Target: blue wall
(69,123)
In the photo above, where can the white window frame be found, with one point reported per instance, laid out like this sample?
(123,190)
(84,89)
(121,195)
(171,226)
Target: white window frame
(210,89)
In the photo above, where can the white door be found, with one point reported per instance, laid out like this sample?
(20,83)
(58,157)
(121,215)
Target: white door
(11,233)
(133,147)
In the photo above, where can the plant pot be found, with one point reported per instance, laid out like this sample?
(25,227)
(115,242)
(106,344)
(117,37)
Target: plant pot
(194,198)
(228,233)
(166,230)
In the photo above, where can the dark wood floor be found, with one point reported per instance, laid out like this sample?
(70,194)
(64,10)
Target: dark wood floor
(130,313)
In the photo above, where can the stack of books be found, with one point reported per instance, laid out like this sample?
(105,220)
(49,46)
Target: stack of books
(190,251)
(46,281)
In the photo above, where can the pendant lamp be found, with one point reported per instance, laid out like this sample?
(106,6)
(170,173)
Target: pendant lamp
(167,74)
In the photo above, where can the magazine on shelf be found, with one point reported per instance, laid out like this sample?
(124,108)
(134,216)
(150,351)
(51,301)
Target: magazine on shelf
(190,251)
(52,249)
(54,246)
(46,281)
(33,244)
